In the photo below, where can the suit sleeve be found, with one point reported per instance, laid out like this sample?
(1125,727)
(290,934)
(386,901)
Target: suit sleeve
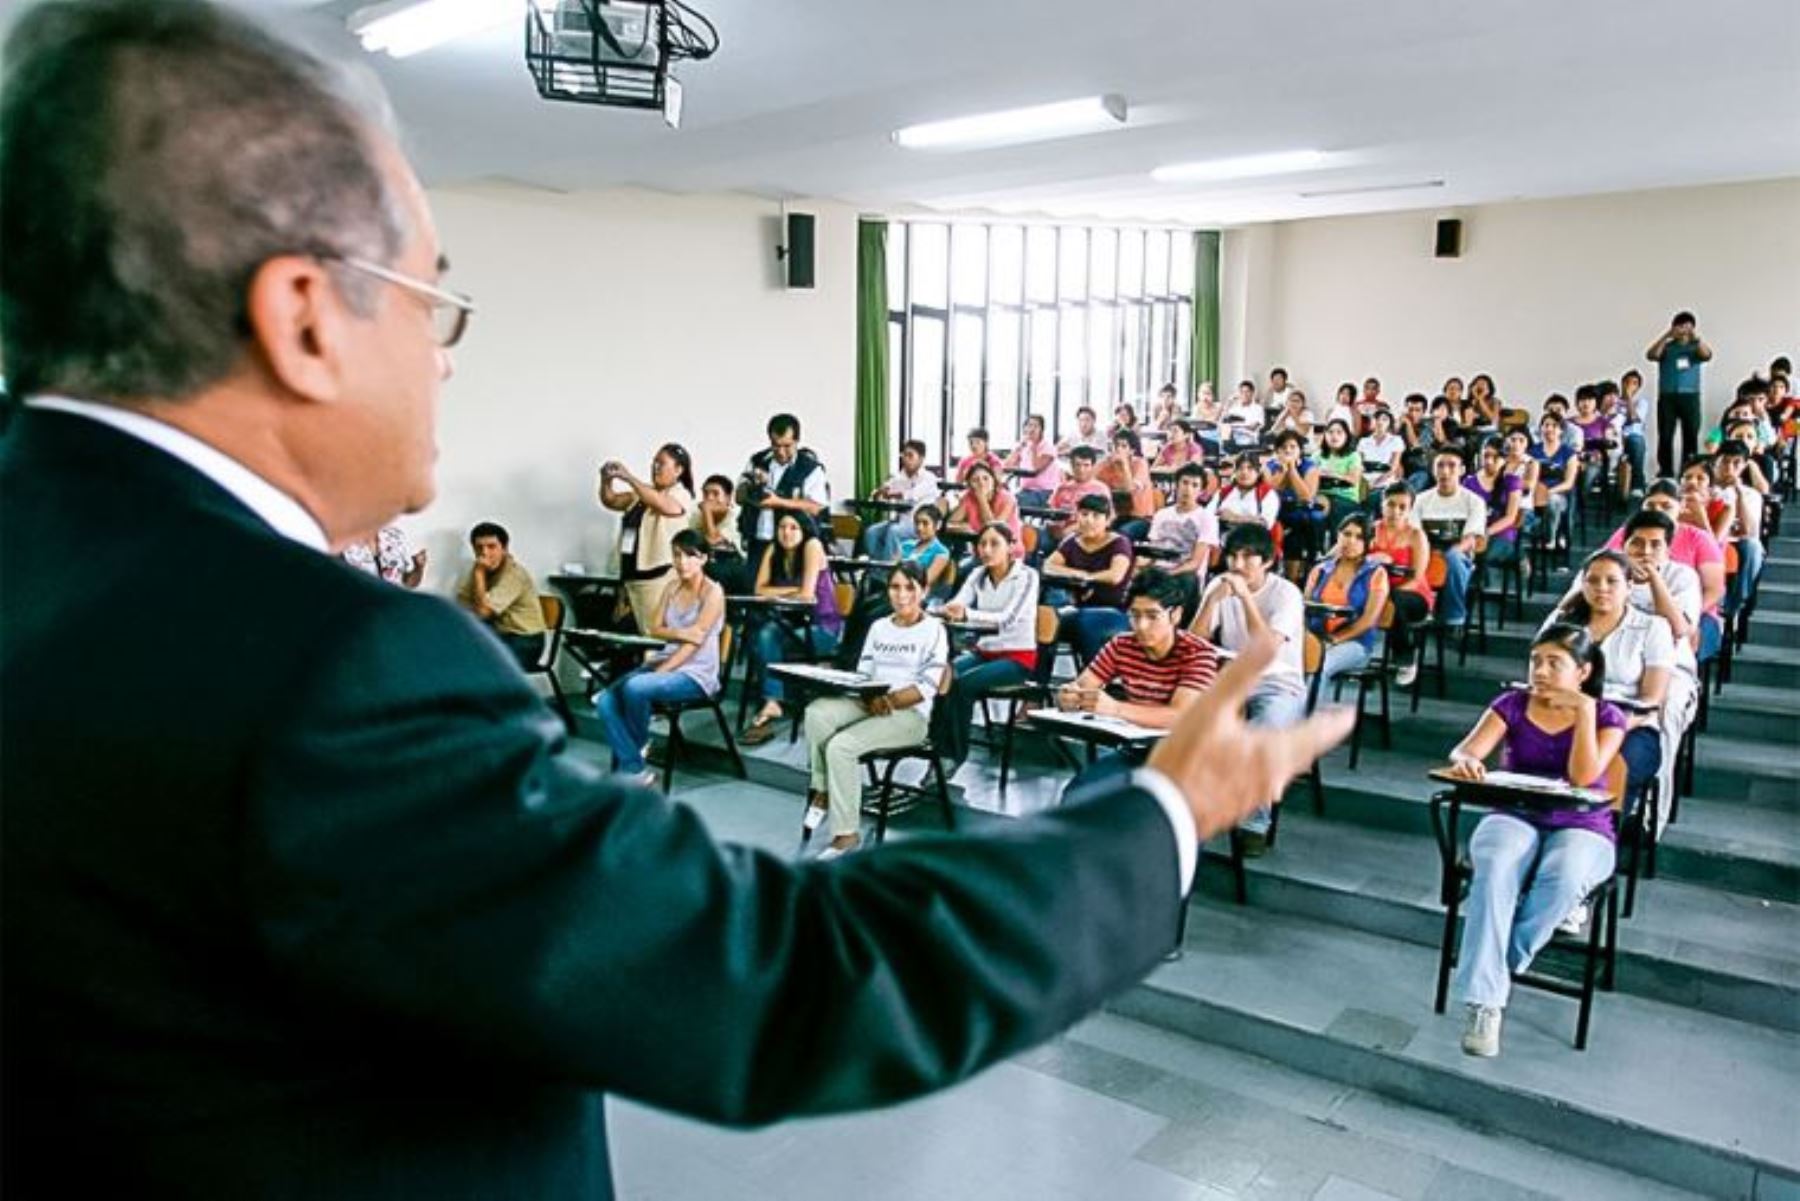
(421,851)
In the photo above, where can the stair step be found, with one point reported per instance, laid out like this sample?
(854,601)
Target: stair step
(1357,1007)
(1782,568)
(1721,844)
(1732,955)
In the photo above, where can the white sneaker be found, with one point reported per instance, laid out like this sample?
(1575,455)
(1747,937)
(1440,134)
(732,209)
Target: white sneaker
(1577,920)
(837,852)
(647,778)
(1407,676)
(1481,1030)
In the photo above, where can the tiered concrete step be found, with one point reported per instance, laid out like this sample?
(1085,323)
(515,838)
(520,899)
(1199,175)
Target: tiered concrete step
(1690,944)
(1666,1091)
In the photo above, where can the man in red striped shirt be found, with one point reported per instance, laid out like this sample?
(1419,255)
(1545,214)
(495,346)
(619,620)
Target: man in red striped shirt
(1160,669)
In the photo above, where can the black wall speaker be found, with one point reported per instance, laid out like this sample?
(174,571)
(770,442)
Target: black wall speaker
(1449,238)
(800,250)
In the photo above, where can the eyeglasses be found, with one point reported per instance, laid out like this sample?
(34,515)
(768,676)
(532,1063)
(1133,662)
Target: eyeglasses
(1146,617)
(450,311)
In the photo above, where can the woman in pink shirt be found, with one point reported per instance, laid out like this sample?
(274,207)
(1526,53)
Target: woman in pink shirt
(1035,455)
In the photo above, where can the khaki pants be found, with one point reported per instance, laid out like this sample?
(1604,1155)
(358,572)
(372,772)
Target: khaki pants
(646,600)
(839,731)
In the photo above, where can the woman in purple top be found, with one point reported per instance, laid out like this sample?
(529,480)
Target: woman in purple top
(1501,491)
(1559,729)
(794,568)
(1596,434)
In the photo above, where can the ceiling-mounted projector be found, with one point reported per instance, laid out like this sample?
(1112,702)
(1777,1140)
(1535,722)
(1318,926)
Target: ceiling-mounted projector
(614,52)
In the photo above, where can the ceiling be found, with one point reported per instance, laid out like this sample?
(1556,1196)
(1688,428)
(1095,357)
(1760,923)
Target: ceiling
(1503,99)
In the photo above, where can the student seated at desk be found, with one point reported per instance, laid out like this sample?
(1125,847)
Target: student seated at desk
(1403,550)
(689,616)
(1247,498)
(794,566)
(1102,559)
(1737,517)
(1293,415)
(1500,492)
(1338,459)
(1295,477)
(1127,477)
(1385,447)
(1159,667)
(984,502)
(1082,481)
(978,454)
(715,519)
(1560,729)
(1035,455)
(1348,578)
(1639,651)
(927,552)
(1249,600)
(1558,469)
(1449,502)
(1181,448)
(1087,433)
(1005,591)
(1517,462)
(502,596)
(1690,545)
(908,651)
(914,483)
(1191,531)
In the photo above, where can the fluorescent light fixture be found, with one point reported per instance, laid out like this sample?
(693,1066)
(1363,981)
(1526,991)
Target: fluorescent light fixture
(1035,124)
(1251,166)
(1371,189)
(407,27)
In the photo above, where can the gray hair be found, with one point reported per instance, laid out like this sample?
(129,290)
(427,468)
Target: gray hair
(152,157)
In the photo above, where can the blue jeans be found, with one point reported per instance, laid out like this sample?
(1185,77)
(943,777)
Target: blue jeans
(882,540)
(1555,512)
(1642,752)
(1034,498)
(1743,585)
(976,676)
(1453,600)
(1637,455)
(1272,709)
(1712,637)
(624,710)
(777,643)
(1343,657)
(1504,930)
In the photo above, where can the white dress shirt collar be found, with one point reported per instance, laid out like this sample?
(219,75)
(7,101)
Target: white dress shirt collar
(281,512)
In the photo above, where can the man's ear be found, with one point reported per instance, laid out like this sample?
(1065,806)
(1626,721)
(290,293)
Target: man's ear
(299,324)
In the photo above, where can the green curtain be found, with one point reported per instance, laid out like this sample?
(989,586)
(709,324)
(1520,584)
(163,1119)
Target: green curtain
(872,450)
(1205,358)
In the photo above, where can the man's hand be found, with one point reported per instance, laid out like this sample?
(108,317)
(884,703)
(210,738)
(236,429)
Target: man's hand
(881,705)
(1227,768)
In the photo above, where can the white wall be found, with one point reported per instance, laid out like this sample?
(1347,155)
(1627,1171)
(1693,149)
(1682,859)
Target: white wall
(1547,294)
(610,323)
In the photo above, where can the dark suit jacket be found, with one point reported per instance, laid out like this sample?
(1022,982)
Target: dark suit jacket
(303,897)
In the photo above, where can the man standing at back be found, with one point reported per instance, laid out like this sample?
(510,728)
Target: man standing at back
(1677,354)
(784,477)
(323,908)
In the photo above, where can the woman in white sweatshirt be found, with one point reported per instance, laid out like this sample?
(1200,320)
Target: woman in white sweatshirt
(908,651)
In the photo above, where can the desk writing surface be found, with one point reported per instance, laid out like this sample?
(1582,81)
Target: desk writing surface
(1096,726)
(1516,788)
(852,683)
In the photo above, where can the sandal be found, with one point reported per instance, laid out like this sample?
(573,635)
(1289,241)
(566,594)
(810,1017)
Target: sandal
(760,731)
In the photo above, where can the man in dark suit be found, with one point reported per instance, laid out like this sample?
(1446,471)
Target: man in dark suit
(302,895)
